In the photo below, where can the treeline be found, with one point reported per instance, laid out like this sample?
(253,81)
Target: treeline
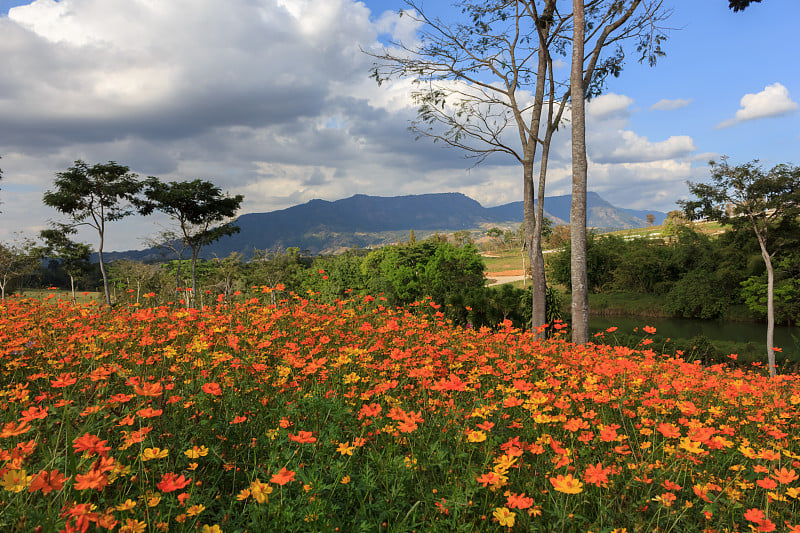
(696,276)
(451,274)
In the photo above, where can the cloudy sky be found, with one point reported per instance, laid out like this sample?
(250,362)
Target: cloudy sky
(272,99)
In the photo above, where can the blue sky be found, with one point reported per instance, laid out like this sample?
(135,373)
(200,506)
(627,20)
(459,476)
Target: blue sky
(271,99)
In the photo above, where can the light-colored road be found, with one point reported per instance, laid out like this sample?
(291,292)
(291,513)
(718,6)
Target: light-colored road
(499,280)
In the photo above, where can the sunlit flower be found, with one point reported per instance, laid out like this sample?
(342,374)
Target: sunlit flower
(14,480)
(196,452)
(566,484)
(283,477)
(504,517)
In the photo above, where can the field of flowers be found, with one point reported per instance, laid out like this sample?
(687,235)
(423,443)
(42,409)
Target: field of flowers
(354,417)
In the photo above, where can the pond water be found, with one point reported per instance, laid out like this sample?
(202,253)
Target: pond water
(787,338)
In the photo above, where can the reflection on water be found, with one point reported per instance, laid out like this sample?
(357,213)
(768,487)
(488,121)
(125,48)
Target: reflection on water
(787,338)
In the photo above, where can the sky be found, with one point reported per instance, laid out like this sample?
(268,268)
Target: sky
(272,99)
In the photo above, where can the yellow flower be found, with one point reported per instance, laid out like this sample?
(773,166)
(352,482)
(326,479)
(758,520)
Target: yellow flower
(566,484)
(504,462)
(126,506)
(504,517)
(243,495)
(15,480)
(154,500)
(793,492)
(344,448)
(196,451)
(195,510)
(133,526)
(410,463)
(192,466)
(476,436)
(690,445)
(345,480)
(153,453)
(211,529)
(260,491)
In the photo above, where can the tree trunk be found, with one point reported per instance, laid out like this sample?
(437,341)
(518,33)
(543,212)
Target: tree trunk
(770,301)
(72,288)
(103,272)
(194,279)
(580,292)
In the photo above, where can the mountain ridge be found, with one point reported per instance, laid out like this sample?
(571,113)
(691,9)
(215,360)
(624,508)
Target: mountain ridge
(322,226)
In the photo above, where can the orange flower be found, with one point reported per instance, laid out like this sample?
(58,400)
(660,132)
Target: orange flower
(63,380)
(91,445)
(566,484)
(47,482)
(153,390)
(212,388)
(11,429)
(597,475)
(33,413)
(649,329)
(171,482)
(784,476)
(283,477)
(767,483)
(303,437)
(518,501)
(754,515)
(407,426)
(149,412)
(93,479)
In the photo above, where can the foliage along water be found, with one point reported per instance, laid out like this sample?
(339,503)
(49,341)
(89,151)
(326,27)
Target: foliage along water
(749,333)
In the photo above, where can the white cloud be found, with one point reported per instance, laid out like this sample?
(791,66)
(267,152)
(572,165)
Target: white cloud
(246,96)
(669,105)
(773,101)
(607,106)
(628,147)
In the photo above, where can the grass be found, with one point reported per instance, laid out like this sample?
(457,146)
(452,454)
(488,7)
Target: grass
(81,297)
(356,417)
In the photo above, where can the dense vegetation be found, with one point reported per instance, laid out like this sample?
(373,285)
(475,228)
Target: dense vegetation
(699,276)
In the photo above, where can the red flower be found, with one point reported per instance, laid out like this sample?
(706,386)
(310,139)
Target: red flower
(172,482)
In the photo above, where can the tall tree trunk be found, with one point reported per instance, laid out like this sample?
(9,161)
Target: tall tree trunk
(72,288)
(103,272)
(577,220)
(194,279)
(533,226)
(770,301)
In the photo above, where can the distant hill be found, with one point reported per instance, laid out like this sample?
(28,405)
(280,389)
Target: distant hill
(321,226)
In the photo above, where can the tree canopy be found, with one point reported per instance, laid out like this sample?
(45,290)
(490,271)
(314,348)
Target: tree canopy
(94,195)
(765,201)
(200,209)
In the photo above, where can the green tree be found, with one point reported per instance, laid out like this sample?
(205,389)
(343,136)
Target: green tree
(73,257)
(94,196)
(766,202)
(199,208)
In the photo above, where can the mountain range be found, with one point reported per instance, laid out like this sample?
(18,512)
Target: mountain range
(321,226)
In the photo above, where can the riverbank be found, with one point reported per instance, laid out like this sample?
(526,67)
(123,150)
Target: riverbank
(709,341)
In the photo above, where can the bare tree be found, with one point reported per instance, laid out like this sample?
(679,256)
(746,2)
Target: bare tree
(482,82)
